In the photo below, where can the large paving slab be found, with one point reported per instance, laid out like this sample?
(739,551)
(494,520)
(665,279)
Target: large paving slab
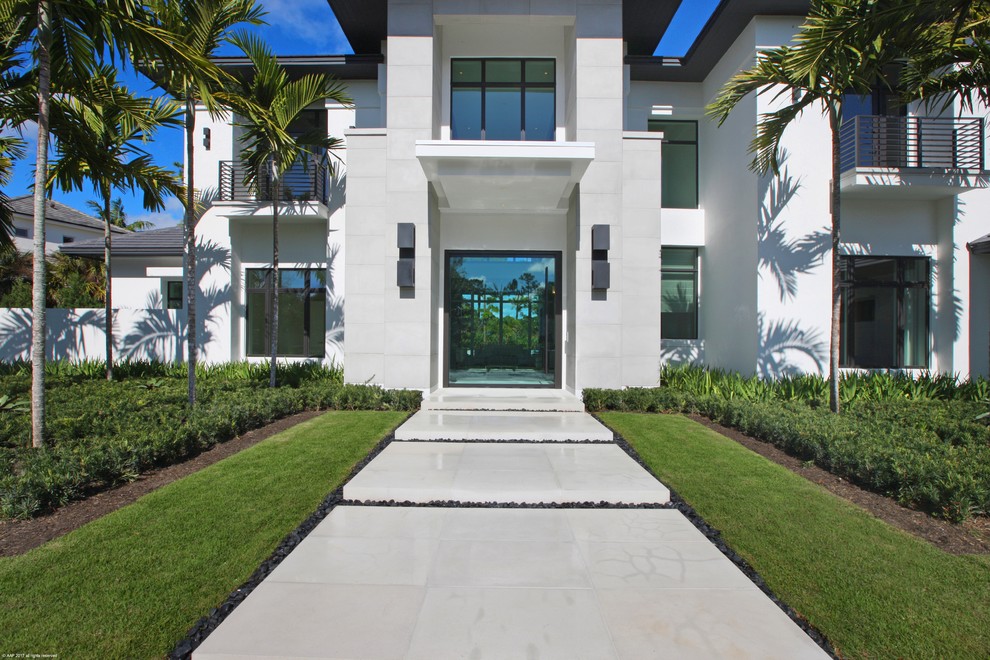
(491,398)
(437,583)
(506,472)
(503,425)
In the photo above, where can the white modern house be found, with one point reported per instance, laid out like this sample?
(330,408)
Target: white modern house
(529,198)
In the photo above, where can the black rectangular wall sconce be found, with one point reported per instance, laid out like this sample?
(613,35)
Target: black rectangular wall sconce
(406,241)
(207,134)
(600,245)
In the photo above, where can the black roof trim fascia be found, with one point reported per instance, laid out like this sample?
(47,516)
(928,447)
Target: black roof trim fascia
(345,67)
(727,22)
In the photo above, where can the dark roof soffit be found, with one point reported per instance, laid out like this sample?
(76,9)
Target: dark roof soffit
(980,245)
(365,23)
(727,22)
(345,67)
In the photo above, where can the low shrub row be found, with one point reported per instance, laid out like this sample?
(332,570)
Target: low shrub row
(931,455)
(102,434)
(854,387)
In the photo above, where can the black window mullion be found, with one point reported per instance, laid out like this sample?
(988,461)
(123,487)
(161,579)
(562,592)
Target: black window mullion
(307,292)
(484,99)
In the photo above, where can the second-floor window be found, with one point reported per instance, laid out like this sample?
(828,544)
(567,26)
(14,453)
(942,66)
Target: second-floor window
(678,163)
(503,99)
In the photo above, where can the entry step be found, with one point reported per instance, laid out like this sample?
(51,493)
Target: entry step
(506,473)
(502,426)
(488,398)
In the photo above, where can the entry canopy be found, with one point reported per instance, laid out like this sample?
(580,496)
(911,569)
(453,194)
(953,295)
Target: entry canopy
(504,177)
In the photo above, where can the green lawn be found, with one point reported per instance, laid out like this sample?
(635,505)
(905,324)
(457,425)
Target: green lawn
(132,583)
(873,590)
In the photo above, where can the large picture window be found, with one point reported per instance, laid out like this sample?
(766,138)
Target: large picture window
(885,303)
(302,306)
(679,293)
(678,163)
(503,99)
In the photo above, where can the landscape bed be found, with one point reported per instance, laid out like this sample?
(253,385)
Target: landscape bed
(101,433)
(927,452)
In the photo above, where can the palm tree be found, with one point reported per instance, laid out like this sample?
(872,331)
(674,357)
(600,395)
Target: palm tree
(66,40)
(821,71)
(203,25)
(269,151)
(117,217)
(102,130)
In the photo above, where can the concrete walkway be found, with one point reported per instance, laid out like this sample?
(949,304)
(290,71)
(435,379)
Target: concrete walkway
(447,582)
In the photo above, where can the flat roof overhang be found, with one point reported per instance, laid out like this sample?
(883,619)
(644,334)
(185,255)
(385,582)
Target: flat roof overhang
(910,182)
(980,245)
(504,177)
(365,22)
(727,22)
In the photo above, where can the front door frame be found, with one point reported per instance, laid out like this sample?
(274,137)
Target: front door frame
(557,256)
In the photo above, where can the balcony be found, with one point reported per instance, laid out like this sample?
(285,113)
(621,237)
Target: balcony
(299,184)
(911,157)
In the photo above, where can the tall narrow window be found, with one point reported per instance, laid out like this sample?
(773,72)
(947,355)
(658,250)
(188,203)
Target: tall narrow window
(173,294)
(302,304)
(679,163)
(679,293)
(885,303)
(502,99)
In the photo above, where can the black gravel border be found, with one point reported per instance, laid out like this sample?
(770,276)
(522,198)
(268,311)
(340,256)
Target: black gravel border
(206,625)
(715,536)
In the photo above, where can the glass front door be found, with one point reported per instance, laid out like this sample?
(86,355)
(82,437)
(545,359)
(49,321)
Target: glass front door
(502,319)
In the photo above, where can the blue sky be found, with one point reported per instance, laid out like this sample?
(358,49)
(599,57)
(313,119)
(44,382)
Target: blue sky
(294,29)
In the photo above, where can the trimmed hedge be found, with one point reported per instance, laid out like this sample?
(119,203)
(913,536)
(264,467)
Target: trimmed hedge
(931,455)
(102,434)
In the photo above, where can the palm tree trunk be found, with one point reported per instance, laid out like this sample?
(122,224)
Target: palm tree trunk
(109,294)
(38,323)
(190,248)
(833,362)
(274,339)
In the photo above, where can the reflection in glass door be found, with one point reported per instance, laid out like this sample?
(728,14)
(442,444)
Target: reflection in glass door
(502,319)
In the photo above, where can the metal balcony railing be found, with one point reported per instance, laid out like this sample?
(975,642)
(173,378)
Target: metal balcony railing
(912,142)
(300,183)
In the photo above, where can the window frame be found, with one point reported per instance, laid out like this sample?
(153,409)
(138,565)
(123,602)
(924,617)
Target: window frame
(483,85)
(21,232)
(654,122)
(172,302)
(848,284)
(696,272)
(312,286)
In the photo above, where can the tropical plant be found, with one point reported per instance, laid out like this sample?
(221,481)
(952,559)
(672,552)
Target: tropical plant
(65,41)
(102,130)
(118,216)
(202,25)
(813,73)
(269,149)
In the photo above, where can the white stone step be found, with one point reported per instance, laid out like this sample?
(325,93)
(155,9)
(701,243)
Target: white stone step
(489,398)
(503,425)
(521,473)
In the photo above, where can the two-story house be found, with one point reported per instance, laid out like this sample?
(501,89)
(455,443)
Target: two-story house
(530,198)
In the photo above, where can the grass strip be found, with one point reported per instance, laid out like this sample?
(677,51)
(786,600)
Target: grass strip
(132,583)
(873,590)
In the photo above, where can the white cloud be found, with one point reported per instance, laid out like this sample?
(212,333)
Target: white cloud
(171,215)
(308,23)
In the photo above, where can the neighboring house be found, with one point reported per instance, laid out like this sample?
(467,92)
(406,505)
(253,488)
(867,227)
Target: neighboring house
(63,225)
(147,267)
(534,199)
